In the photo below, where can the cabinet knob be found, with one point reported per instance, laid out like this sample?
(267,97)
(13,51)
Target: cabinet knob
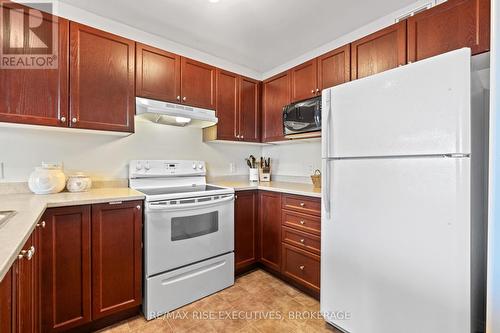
(236,196)
(63,119)
(302,204)
(302,240)
(178,98)
(302,267)
(242,137)
(138,207)
(302,222)
(312,91)
(28,254)
(317,90)
(184,98)
(41,224)
(74,120)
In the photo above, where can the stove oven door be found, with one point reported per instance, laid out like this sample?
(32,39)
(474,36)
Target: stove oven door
(186,231)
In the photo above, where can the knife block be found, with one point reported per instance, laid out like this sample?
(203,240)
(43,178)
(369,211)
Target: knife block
(265,174)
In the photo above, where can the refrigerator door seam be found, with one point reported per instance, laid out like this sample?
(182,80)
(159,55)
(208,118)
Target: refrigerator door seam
(447,155)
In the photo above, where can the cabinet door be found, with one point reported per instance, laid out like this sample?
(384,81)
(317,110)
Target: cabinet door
(334,67)
(378,52)
(6,305)
(276,95)
(24,288)
(158,74)
(197,84)
(270,229)
(304,80)
(245,229)
(66,268)
(227,105)
(249,115)
(35,96)
(116,257)
(449,26)
(102,80)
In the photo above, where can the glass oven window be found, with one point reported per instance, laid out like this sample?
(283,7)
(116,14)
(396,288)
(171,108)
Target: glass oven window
(185,227)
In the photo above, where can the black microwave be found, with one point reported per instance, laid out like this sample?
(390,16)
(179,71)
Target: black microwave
(302,117)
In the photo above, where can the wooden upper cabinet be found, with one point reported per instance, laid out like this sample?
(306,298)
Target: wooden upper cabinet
(378,52)
(334,67)
(158,74)
(116,257)
(227,105)
(275,95)
(249,115)
(270,229)
(34,96)
(449,26)
(245,229)
(102,80)
(198,84)
(66,288)
(304,79)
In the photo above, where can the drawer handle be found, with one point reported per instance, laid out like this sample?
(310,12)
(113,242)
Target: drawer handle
(41,224)
(302,222)
(115,203)
(302,267)
(302,241)
(302,204)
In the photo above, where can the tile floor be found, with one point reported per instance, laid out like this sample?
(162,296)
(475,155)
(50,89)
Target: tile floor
(241,308)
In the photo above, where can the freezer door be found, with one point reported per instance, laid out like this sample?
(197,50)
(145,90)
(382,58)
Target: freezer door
(395,253)
(418,109)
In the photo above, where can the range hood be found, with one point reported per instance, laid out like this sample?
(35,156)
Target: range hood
(174,114)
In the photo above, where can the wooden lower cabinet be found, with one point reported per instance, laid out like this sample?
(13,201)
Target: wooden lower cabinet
(301,266)
(6,304)
(66,273)
(116,257)
(245,229)
(270,229)
(91,263)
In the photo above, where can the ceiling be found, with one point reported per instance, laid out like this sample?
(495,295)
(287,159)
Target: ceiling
(257,34)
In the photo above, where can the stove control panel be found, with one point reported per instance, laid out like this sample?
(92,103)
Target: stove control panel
(165,168)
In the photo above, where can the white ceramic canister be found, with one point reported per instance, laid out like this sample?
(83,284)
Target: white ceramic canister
(79,182)
(47,179)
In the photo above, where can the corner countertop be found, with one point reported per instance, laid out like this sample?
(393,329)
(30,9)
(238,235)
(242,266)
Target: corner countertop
(274,186)
(30,207)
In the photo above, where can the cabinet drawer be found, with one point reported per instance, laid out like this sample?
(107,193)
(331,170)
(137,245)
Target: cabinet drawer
(301,240)
(303,222)
(302,204)
(301,266)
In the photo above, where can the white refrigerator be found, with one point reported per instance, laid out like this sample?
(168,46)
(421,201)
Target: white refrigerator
(403,201)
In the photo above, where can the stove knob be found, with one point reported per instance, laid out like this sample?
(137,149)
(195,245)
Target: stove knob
(138,166)
(146,166)
(200,166)
(194,166)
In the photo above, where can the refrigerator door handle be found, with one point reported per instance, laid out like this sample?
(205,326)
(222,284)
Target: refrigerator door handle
(326,186)
(326,105)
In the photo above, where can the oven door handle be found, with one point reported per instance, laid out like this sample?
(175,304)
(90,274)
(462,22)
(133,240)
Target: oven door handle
(155,206)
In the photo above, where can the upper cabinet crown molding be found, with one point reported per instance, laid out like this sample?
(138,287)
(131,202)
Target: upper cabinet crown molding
(449,26)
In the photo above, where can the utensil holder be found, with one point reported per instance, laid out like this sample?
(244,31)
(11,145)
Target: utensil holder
(254,174)
(265,174)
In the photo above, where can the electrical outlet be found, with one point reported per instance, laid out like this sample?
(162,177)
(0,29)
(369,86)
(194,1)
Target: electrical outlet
(232,167)
(310,168)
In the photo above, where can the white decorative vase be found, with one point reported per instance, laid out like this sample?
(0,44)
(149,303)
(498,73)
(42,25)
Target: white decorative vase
(47,179)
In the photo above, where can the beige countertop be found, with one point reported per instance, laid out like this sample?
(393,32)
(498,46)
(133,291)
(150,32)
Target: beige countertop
(30,207)
(274,186)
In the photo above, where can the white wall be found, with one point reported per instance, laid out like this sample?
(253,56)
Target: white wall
(493,311)
(294,160)
(105,156)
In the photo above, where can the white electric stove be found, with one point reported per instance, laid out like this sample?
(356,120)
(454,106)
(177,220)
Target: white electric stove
(188,233)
